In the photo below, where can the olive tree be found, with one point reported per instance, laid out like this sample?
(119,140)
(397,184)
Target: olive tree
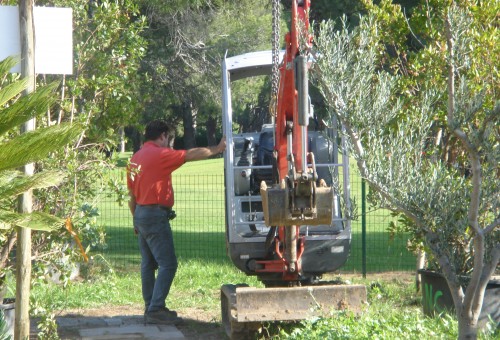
(452,207)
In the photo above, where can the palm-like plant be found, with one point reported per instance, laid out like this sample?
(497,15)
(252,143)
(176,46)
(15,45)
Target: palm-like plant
(17,150)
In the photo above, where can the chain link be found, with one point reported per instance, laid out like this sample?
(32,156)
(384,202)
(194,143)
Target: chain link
(276,56)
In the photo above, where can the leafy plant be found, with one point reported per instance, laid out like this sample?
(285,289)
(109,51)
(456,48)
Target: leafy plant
(47,326)
(400,128)
(19,149)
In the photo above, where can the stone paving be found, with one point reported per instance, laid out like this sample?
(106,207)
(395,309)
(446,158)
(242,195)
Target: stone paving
(117,327)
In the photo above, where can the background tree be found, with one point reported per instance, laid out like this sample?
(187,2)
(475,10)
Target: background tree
(187,43)
(108,51)
(393,122)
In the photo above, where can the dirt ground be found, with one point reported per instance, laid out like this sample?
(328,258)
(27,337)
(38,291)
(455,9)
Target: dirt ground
(198,324)
(202,324)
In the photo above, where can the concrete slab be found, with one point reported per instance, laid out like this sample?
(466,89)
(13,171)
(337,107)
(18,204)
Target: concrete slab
(70,322)
(151,332)
(113,322)
(116,337)
(122,327)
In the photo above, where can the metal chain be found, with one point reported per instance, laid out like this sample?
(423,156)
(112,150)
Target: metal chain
(276,56)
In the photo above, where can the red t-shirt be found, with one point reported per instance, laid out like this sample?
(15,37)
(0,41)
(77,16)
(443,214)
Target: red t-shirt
(149,176)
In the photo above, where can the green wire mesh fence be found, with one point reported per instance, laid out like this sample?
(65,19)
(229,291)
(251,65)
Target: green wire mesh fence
(199,229)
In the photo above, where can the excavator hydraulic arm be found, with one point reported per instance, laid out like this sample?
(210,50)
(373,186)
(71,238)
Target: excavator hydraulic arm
(299,197)
(296,199)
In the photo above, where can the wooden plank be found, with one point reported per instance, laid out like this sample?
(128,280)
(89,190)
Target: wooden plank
(23,252)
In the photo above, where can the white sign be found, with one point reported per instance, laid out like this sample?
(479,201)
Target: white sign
(53,38)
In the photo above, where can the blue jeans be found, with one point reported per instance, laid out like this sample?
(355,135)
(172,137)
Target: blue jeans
(157,251)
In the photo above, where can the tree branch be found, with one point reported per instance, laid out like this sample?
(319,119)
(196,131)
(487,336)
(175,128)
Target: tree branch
(366,175)
(485,276)
(492,226)
(4,254)
(472,152)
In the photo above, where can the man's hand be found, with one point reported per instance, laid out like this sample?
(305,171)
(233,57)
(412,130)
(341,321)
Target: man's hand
(221,147)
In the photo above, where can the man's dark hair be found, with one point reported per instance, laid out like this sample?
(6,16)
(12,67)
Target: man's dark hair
(155,128)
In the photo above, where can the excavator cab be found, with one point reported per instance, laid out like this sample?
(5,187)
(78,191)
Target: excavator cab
(258,202)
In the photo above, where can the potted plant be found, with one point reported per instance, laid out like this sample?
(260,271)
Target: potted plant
(437,298)
(436,294)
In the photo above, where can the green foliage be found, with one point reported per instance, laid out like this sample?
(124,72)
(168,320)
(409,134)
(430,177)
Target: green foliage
(334,10)
(35,145)
(17,150)
(46,325)
(389,324)
(93,234)
(425,137)
(103,91)
(76,198)
(32,106)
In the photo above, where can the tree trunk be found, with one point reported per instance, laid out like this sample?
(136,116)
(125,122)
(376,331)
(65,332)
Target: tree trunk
(189,121)
(466,328)
(420,265)
(122,139)
(211,130)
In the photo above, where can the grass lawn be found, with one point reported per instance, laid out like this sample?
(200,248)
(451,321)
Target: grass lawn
(393,309)
(113,279)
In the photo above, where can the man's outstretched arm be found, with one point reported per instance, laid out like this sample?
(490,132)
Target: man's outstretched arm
(197,154)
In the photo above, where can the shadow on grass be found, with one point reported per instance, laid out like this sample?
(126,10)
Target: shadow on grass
(381,253)
(78,326)
(122,248)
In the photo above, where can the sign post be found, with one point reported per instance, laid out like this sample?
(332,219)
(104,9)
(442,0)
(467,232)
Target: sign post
(53,27)
(23,253)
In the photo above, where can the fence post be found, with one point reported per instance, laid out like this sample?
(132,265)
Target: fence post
(363,227)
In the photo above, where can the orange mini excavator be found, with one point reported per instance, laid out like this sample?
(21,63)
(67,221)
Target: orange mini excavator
(284,219)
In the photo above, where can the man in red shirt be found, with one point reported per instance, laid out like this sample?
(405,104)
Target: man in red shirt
(149,180)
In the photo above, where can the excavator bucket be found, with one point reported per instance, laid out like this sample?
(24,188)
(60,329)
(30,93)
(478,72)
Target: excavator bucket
(281,207)
(245,308)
